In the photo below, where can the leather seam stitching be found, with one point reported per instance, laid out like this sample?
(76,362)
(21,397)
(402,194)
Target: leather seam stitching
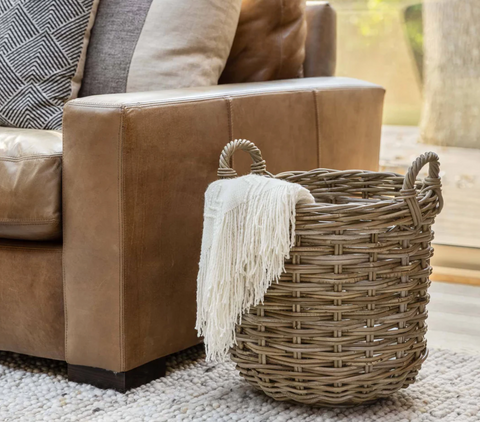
(121,216)
(281,41)
(317,127)
(30,157)
(8,247)
(228,103)
(244,94)
(229,116)
(39,222)
(65,308)
(64,281)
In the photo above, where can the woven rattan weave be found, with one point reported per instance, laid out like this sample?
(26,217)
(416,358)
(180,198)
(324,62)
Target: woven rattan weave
(346,322)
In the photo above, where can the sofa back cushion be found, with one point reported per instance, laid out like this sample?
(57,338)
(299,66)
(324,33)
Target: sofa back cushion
(148,45)
(269,43)
(42,54)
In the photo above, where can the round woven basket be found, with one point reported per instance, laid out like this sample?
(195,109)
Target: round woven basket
(346,322)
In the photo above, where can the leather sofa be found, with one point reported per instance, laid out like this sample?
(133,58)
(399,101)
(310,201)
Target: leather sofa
(99,258)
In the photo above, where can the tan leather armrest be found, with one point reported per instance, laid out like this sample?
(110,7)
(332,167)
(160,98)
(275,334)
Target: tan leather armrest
(321,43)
(135,169)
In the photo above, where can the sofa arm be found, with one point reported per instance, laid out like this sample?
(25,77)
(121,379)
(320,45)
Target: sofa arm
(135,169)
(321,43)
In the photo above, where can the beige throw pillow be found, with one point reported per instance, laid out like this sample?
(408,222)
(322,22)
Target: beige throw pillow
(183,43)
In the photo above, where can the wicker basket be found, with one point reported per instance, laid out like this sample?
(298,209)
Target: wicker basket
(346,323)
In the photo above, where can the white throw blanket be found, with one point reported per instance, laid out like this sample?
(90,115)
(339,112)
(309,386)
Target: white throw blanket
(249,228)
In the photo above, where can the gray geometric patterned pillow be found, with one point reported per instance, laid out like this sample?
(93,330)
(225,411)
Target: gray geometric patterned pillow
(42,54)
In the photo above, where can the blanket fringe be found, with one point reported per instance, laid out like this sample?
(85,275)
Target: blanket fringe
(252,242)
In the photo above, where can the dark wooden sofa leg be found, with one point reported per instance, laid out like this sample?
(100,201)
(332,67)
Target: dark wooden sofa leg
(119,381)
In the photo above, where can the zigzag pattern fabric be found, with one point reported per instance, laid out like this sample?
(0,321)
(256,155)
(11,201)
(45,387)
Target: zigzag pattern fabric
(41,43)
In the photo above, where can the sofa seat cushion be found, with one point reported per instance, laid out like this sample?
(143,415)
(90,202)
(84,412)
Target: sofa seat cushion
(30,184)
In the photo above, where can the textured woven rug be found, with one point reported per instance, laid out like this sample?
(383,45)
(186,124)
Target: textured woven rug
(33,389)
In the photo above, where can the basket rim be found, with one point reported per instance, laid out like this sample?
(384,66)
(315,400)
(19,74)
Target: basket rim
(394,199)
(282,174)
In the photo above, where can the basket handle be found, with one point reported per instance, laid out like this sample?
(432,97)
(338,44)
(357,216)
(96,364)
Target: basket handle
(409,192)
(225,170)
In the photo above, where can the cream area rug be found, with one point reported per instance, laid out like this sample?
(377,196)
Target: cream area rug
(33,389)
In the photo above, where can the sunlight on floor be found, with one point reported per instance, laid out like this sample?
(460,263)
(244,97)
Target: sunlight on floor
(459,223)
(454,317)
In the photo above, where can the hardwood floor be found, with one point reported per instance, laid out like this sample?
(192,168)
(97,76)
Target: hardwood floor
(454,317)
